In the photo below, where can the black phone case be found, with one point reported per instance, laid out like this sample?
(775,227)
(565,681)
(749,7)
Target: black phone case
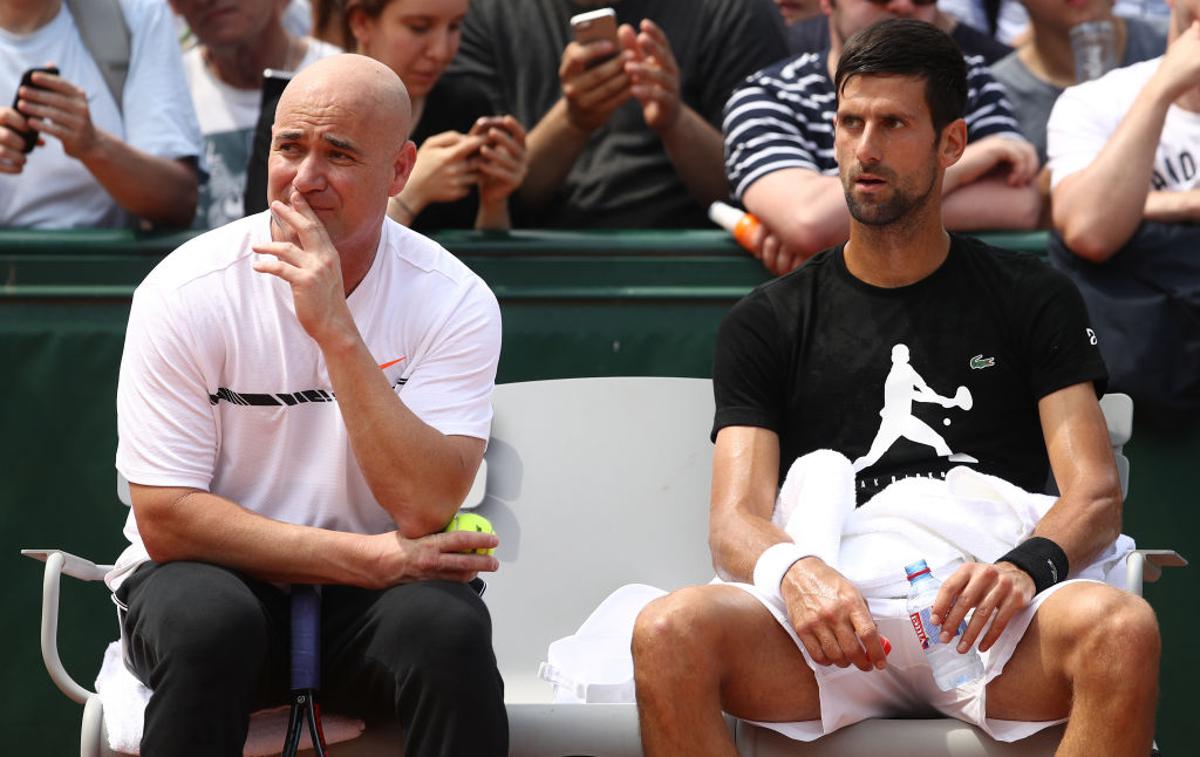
(30,136)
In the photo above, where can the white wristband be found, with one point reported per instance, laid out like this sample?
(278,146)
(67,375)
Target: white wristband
(772,564)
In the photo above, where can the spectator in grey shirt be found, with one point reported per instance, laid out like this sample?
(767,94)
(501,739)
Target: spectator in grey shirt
(1042,65)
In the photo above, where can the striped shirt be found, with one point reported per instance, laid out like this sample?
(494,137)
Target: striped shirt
(782,117)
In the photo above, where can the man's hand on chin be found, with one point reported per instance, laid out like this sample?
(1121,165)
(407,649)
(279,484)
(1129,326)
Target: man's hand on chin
(304,257)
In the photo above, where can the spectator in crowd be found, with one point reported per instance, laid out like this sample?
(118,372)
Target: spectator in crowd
(793,11)
(1126,200)
(245,473)
(328,22)
(102,155)
(468,161)
(791,637)
(1043,64)
(779,152)
(812,34)
(1003,20)
(235,43)
(625,135)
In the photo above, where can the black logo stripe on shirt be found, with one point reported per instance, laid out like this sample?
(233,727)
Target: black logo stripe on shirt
(250,399)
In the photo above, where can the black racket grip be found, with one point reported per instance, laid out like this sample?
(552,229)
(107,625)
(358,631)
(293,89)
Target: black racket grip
(306,637)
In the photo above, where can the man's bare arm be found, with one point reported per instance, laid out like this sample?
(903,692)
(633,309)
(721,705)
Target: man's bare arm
(992,203)
(160,190)
(696,149)
(417,474)
(694,146)
(1097,209)
(590,94)
(1087,516)
(188,524)
(806,210)
(828,612)
(992,186)
(1173,207)
(745,472)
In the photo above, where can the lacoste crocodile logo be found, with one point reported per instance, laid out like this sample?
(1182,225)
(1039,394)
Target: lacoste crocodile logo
(979,362)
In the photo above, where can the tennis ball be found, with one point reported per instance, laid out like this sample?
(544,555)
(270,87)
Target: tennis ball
(472,522)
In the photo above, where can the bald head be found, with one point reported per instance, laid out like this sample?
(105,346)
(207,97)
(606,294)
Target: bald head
(355,85)
(340,141)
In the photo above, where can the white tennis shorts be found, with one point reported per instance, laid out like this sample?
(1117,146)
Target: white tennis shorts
(849,695)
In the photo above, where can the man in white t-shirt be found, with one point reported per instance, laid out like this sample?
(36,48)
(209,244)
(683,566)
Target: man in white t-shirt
(224,73)
(98,161)
(1123,156)
(305,397)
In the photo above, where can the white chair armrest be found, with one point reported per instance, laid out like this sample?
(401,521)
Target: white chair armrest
(1145,566)
(57,563)
(73,565)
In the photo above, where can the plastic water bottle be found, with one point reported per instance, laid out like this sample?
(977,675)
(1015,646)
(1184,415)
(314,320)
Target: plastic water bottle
(950,669)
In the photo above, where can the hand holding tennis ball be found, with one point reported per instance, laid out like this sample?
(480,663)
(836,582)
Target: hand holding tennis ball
(471,522)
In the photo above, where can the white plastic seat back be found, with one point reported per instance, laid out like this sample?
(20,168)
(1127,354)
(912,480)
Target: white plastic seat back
(591,484)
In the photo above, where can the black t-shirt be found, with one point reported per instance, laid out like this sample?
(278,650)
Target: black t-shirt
(624,177)
(913,380)
(453,104)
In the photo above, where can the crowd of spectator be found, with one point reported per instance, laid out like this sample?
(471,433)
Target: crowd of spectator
(518,125)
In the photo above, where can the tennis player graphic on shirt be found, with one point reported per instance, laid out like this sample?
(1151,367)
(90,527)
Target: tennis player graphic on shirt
(902,386)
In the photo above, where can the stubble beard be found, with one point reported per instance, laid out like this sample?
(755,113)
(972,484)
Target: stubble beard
(899,206)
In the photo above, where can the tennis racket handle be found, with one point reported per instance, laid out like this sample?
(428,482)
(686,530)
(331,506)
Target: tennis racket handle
(306,637)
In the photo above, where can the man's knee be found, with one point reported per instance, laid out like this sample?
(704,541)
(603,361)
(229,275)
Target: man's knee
(674,627)
(1127,625)
(1114,632)
(448,636)
(196,616)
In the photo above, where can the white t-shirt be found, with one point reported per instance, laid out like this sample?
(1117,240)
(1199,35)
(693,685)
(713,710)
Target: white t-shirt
(222,390)
(1086,115)
(228,116)
(57,191)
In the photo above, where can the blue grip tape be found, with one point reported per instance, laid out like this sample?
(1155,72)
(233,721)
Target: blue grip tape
(306,637)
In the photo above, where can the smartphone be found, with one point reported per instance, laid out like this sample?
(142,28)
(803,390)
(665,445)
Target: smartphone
(595,26)
(254,195)
(482,125)
(30,136)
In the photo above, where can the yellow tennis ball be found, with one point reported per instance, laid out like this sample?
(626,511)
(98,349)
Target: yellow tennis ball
(472,522)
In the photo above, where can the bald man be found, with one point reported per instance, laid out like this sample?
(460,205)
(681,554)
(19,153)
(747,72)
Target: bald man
(304,397)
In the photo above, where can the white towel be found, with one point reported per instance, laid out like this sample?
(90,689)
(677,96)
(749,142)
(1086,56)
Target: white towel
(823,476)
(966,516)
(125,698)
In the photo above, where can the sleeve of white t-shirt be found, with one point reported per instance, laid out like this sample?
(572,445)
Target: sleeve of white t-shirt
(156,106)
(1081,122)
(166,425)
(451,384)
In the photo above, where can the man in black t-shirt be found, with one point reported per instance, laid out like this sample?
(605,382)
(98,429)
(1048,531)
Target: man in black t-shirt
(624,135)
(917,355)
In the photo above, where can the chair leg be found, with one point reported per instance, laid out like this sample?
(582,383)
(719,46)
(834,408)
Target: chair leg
(90,728)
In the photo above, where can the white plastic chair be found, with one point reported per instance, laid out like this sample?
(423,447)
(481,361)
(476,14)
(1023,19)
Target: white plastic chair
(592,484)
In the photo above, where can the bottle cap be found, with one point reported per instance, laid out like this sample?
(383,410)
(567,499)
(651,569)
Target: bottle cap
(919,568)
(724,215)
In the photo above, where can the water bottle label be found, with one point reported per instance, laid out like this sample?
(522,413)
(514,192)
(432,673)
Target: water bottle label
(927,632)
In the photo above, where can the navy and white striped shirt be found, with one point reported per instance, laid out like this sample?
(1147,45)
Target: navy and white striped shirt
(782,117)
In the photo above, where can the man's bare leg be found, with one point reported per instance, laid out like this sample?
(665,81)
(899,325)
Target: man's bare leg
(705,649)
(1091,654)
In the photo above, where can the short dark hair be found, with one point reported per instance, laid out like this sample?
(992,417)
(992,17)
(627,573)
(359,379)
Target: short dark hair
(906,47)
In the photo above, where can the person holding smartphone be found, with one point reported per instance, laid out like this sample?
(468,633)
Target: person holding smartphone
(224,71)
(93,161)
(468,161)
(625,131)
